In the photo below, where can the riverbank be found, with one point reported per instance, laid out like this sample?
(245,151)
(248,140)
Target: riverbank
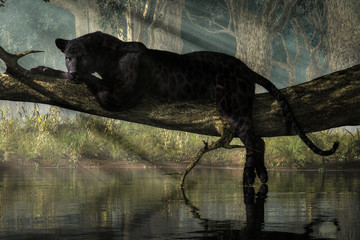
(110,164)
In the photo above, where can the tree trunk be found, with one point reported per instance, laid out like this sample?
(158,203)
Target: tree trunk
(137,16)
(254,32)
(86,14)
(165,30)
(253,43)
(329,101)
(291,63)
(343,33)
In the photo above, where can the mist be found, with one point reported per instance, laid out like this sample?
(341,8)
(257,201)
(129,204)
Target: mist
(34,25)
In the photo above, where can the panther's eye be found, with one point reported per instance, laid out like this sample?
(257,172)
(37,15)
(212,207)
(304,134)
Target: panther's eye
(84,57)
(67,58)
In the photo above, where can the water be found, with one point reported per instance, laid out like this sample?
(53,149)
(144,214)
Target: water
(145,204)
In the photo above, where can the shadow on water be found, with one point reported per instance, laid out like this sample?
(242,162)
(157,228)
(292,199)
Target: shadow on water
(145,204)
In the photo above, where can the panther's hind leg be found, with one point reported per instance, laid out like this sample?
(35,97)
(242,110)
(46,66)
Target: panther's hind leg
(254,154)
(250,162)
(236,103)
(259,158)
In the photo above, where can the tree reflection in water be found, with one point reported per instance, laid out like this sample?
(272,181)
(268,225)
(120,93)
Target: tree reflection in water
(146,204)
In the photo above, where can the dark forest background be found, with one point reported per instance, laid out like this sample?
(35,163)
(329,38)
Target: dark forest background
(287,41)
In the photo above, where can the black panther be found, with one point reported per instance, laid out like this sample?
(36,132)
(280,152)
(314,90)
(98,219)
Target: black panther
(129,71)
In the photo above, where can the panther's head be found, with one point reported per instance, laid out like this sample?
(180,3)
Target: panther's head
(81,54)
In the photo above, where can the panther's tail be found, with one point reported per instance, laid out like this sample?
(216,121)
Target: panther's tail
(275,92)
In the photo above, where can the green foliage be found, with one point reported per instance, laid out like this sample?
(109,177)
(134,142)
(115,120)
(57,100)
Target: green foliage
(33,135)
(292,152)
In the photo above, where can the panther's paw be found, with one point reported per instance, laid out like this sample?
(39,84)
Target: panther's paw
(262,174)
(44,71)
(37,70)
(249,176)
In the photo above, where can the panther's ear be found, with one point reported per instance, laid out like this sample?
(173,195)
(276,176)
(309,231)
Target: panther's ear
(61,44)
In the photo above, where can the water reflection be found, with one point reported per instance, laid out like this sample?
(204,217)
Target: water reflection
(144,203)
(254,227)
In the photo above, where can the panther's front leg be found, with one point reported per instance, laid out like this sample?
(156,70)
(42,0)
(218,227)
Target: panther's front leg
(114,94)
(47,71)
(101,89)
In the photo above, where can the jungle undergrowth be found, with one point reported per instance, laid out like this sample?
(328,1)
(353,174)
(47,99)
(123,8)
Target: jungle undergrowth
(31,135)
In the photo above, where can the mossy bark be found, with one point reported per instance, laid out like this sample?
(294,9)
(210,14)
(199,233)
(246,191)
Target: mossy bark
(326,102)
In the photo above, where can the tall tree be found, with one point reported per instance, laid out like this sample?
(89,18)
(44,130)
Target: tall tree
(137,17)
(157,23)
(254,31)
(312,24)
(254,24)
(343,33)
(290,63)
(86,14)
(165,29)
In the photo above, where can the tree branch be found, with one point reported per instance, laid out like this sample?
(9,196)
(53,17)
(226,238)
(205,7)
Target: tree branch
(285,14)
(326,102)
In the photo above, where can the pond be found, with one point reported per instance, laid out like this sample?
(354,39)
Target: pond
(146,204)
